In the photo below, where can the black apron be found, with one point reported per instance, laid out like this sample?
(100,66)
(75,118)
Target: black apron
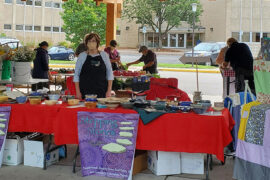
(93,77)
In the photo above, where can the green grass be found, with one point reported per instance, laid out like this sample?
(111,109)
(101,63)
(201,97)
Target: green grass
(160,65)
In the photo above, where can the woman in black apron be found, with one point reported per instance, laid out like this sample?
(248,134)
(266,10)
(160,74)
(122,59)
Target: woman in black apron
(93,72)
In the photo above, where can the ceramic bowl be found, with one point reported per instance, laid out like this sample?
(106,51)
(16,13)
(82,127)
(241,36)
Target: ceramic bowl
(219,104)
(50,102)
(34,100)
(90,104)
(112,106)
(54,96)
(160,106)
(91,96)
(185,103)
(101,106)
(73,102)
(185,109)
(127,105)
(21,99)
(3,99)
(102,100)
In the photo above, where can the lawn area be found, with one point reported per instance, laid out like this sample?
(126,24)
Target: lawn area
(160,65)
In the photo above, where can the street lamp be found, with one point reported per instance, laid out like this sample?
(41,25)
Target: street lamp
(197,93)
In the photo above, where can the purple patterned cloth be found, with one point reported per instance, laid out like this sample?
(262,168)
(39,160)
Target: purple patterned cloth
(4,114)
(97,129)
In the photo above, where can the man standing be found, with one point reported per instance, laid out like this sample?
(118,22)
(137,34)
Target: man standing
(149,58)
(241,60)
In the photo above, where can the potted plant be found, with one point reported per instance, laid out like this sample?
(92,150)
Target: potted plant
(22,58)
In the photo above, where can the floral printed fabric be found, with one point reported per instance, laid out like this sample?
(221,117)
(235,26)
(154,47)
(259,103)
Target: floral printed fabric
(262,79)
(256,124)
(244,118)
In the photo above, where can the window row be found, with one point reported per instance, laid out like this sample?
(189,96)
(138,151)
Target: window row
(37,3)
(35,28)
(250,37)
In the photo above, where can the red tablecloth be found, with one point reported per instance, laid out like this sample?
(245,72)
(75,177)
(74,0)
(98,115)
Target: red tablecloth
(32,118)
(171,132)
(187,133)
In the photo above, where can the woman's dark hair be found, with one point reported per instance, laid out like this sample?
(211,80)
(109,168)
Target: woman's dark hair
(44,43)
(89,36)
(113,43)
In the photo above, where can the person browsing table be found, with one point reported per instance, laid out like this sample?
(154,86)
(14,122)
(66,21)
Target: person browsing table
(149,58)
(113,55)
(93,71)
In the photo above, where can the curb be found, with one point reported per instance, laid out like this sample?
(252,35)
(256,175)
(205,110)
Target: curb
(189,70)
(160,69)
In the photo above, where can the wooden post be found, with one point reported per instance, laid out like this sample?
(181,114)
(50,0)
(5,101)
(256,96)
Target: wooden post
(111,22)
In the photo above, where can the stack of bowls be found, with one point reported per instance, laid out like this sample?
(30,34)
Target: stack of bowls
(54,97)
(91,101)
(34,100)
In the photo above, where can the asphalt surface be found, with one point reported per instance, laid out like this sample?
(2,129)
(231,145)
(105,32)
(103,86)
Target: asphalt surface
(168,58)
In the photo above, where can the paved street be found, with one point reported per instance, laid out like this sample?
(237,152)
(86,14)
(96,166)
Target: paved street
(162,57)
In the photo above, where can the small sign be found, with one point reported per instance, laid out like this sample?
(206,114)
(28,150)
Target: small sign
(144,29)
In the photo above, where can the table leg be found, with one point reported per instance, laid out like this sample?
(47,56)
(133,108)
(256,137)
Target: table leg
(228,85)
(207,166)
(75,159)
(211,162)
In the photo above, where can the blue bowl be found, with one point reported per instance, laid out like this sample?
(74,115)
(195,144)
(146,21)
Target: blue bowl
(35,94)
(200,110)
(185,109)
(185,103)
(21,99)
(54,96)
(91,99)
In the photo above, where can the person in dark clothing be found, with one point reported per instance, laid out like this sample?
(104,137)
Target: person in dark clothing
(114,55)
(81,48)
(41,66)
(241,60)
(149,58)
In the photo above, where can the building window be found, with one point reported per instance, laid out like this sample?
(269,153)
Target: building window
(256,37)
(56,5)
(56,29)
(47,28)
(235,35)
(29,2)
(7,26)
(118,32)
(246,37)
(38,3)
(189,39)
(8,1)
(37,28)
(172,40)
(266,35)
(19,27)
(165,41)
(48,4)
(152,39)
(19,2)
(181,40)
(28,28)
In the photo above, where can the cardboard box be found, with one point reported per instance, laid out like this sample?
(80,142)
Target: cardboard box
(34,151)
(192,163)
(13,152)
(164,163)
(140,162)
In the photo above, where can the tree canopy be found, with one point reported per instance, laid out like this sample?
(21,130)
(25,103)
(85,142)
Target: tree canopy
(82,18)
(159,14)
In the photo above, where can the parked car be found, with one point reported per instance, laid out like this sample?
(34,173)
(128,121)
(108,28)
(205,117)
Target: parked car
(204,53)
(13,43)
(61,53)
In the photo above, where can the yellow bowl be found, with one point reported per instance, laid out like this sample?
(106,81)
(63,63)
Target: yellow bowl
(73,102)
(3,99)
(50,102)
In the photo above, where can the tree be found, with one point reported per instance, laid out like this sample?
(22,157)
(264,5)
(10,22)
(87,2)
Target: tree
(82,18)
(161,16)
